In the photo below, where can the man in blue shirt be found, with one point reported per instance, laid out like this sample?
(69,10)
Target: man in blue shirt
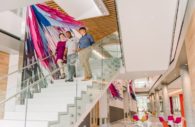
(84,49)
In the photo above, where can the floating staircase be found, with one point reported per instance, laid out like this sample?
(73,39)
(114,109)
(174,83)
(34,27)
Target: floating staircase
(62,104)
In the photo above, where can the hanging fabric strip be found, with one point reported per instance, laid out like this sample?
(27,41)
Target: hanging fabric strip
(59,16)
(35,34)
(43,27)
(114,92)
(131,91)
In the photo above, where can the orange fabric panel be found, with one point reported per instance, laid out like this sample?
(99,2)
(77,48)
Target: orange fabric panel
(182,108)
(164,123)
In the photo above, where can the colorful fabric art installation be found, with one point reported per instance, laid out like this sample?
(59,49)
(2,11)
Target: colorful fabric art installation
(43,27)
(131,91)
(114,92)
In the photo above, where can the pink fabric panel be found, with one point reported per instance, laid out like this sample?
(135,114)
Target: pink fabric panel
(55,14)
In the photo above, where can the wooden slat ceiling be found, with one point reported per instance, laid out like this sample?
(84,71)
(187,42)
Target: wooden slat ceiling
(99,27)
(52,4)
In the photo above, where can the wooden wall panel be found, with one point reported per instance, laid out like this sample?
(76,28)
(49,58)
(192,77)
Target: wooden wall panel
(4,64)
(190,50)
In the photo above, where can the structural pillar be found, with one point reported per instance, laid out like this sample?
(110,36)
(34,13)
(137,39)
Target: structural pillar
(103,110)
(152,103)
(166,102)
(186,86)
(157,100)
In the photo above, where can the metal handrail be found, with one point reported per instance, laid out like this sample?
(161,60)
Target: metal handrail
(30,86)
(5,76)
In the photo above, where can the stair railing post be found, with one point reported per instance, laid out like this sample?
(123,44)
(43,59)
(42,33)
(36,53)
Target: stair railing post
(76,107)
(26,104)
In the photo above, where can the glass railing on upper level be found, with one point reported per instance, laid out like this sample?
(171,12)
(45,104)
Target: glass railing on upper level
(41,100)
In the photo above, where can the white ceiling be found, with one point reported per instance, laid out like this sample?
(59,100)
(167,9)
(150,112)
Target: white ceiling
(83,9)
(15,4)
(146,28)
(11,23)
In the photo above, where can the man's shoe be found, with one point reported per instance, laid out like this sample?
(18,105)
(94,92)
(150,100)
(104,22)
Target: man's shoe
(90,77)
(87,78)
(69,80)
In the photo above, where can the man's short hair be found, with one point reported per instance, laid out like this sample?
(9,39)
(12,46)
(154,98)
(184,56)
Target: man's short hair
(82,28)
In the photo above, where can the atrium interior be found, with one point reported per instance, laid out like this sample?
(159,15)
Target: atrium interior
(97,63)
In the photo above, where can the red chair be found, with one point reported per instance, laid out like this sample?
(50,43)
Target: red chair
(178,121)
(147,117)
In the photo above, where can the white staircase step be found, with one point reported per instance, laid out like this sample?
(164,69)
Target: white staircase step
(43,108)
(64,88)
(56,95)
(76,80)
(43,116)
(53,100)
(18,123)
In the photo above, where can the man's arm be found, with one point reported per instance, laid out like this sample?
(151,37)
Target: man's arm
(91,39)
(78,45)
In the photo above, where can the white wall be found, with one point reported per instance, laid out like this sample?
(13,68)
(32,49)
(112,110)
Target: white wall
(12,82)
(9,44)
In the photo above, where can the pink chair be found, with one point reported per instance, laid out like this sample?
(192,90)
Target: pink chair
(178,121)
(136,118)
(161,119)
(171,120)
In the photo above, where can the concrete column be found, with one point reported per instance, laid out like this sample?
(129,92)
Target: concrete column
(157,100)
(103,110)
(166,102)
(150,104)
(186,86)
(153,105)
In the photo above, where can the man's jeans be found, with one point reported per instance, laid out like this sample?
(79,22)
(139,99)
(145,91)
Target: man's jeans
(71,60)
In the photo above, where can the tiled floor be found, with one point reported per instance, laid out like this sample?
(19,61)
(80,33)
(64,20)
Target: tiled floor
(151,123)
(119,124)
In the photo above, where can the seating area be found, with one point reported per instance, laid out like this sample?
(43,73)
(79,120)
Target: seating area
(149,120)
(171,120)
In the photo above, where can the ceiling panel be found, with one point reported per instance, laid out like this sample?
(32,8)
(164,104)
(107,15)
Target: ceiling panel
(16,4)
(146,30)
